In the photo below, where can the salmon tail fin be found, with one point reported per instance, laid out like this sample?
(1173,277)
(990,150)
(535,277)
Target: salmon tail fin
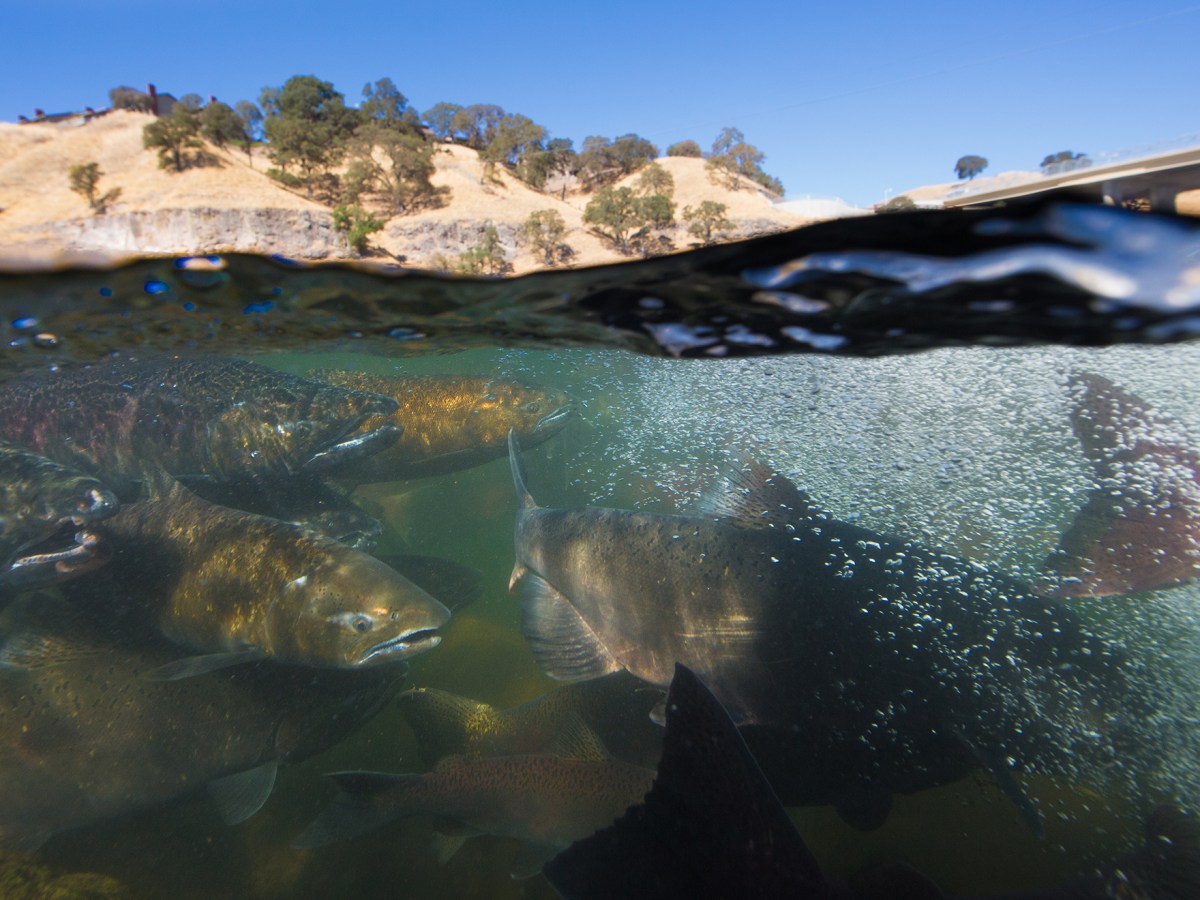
(524,498)
(711,826)
(1140,528)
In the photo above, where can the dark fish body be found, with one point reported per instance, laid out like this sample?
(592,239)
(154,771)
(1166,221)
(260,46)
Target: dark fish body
(615,708)
(219,580)
(450,422)
(712,826)
(305,500)
(85,736)
(43,501)
(545,800)
(1140,529)
(871,664)
(196,416)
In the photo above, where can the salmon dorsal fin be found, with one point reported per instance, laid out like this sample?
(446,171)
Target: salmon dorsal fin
(756,496)
(575,740)
(524,498)
(158,484)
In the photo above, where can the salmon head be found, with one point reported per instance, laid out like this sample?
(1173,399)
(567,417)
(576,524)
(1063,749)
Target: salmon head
(351,611)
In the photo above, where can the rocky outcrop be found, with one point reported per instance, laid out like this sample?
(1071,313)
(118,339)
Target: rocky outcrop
(302,234)
(423,238)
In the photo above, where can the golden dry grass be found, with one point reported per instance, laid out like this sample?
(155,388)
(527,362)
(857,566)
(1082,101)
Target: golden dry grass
(36,199)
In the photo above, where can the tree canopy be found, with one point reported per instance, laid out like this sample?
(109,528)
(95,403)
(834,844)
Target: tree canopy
(220,124)
(707,221)
(969,166)
(732,159)
(685,148)
(545,229)
(626,218)
(307,126)
(401,180)
(603,161)
(176,138)
(85,181)
(383,104)
(1064,161)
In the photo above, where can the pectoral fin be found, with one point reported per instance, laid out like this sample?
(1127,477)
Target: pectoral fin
(240,796)
(191,666)
(563,644)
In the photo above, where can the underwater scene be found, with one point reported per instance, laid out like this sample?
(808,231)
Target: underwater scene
(859,561)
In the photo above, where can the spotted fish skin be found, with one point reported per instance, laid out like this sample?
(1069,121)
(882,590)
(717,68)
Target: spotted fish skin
(86,736)
(547,800)
(40,498)
(451,422)
(219,580)
(194,416)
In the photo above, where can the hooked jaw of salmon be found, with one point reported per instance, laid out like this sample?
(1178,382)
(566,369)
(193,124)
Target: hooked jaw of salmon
(71,548)
(555,419)
(354,447)
(402,646)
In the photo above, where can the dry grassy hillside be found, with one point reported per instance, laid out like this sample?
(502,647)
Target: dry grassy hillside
(233,206)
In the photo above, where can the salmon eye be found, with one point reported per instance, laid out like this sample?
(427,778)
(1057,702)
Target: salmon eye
(361,624)
(533,407)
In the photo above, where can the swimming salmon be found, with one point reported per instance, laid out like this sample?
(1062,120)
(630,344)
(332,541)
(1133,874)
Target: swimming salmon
(195,416)
(548,800)
(450,422)
(877,665)
(235,586)
(86,736)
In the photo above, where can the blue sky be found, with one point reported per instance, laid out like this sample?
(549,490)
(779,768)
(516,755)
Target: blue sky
(849,99)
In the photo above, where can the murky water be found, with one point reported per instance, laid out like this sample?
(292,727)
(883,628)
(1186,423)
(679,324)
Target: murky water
(967,449)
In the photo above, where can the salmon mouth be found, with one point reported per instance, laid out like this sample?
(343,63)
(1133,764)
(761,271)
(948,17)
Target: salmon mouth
(355,447)
(64,555)
(401,647)
(554,420)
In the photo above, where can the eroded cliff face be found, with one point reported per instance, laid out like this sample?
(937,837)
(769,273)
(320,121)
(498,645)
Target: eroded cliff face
(302,234)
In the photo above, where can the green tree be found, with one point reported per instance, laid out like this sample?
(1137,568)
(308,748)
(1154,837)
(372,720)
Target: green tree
(384,105)
(969,166)
(545,229)
(357,225)
(307,126)
(125,97)
(625,218)
(439,119)
(901,203)
(685,148)
(401,180)
(251,119)
(707,221)
(733,159)
(602,161)
(655,180)
(220,124)
(85,181)
(485,258)
(476,124)
(1065,161)
(176,138)
(556,157)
